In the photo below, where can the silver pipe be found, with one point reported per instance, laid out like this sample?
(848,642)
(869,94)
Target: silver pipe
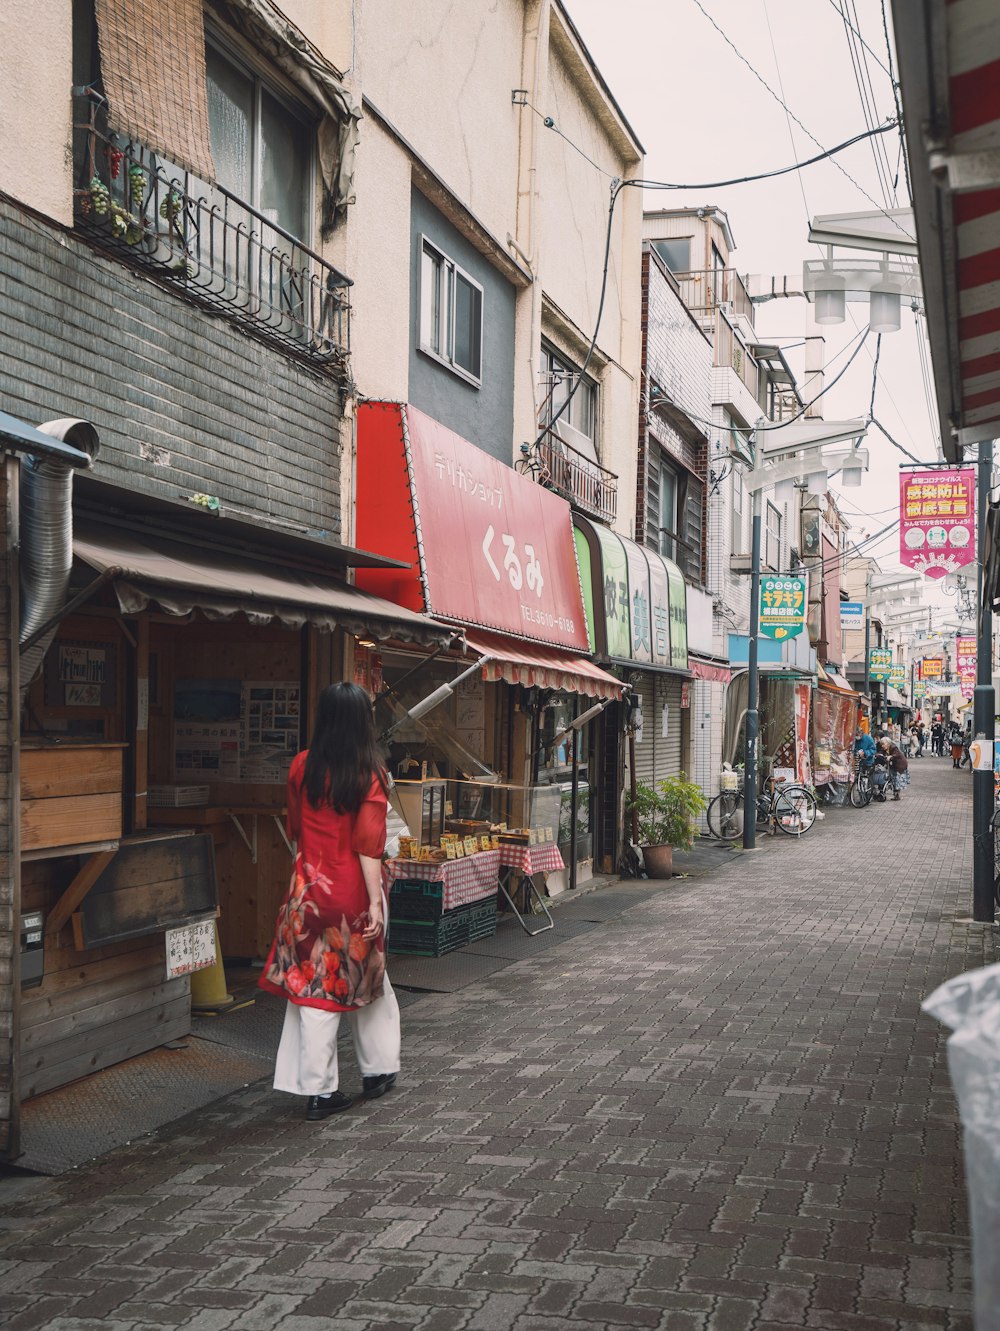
(46,557)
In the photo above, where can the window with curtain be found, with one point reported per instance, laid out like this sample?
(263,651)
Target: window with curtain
(261,146)
(740,544)
(772,539)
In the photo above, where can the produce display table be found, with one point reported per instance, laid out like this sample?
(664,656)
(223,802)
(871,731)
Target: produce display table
(474,878)
(532,859)
(526,861)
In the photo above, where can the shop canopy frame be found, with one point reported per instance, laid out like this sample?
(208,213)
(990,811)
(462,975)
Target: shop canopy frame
(182,579)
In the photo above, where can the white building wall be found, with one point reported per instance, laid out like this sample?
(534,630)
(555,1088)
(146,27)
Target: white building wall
(36,74)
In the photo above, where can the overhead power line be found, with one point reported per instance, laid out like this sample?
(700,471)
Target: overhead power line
(763,82)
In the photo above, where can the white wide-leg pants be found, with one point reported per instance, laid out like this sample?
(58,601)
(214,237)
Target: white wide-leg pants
(307,1054)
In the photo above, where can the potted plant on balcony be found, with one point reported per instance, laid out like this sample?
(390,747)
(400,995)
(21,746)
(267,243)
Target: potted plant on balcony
(666,817)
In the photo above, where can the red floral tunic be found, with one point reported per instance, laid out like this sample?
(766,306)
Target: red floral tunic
(319,957)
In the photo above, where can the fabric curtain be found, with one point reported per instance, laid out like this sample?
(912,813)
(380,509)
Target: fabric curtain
(153,70)
(292,52)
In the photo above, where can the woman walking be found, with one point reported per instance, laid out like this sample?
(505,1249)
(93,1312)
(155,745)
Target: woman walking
(328,955)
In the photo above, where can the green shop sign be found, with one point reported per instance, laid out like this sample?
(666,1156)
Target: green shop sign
(784,603)
(879,664)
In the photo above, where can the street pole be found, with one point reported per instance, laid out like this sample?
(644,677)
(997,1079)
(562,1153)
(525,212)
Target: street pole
(868,643)
(983,710)
(753,717)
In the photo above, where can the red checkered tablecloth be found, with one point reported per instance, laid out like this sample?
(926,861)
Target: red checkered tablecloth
(532,859)
(473,878)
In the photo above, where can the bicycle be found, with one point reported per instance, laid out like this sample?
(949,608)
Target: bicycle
(862,789)
(780,807)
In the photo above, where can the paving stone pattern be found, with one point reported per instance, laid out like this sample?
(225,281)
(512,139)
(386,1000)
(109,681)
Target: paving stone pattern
(721,1111)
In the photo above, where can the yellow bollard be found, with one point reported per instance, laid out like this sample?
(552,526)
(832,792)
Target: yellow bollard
(208,986)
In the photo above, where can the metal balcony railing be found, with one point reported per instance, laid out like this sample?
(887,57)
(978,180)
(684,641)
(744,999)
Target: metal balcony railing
(706,290)
(586,484)
(207,244)
(730,351)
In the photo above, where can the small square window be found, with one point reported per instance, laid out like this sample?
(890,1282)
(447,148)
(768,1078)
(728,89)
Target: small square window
(451,313)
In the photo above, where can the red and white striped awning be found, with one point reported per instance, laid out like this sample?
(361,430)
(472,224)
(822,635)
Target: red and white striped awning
(518,662)
(949,57)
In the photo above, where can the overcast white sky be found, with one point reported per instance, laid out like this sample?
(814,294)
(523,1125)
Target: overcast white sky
(702,115)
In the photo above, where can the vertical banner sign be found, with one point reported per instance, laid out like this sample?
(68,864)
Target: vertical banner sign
(784,603)
(937,520)
(803,767)
(879,664)
(965,651)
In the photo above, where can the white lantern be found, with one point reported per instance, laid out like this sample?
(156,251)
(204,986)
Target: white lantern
(884,317)
(830,307)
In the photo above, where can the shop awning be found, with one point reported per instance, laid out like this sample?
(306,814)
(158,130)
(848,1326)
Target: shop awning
(949,57)
(714,671)
(179,578)
(834,682)
(517,662)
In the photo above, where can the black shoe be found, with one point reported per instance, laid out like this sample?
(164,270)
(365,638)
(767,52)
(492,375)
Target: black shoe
(375,1086)
(322,1106)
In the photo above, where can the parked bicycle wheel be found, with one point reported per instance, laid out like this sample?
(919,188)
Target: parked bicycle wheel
(794,810)
(725,815)
(861,790)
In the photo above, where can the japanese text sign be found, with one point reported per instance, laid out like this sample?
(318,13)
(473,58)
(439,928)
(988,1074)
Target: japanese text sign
(784,604)
(639,598)
(879,664)
(937,519)
(486,545)
(932,667)
(966,657)
(852,615)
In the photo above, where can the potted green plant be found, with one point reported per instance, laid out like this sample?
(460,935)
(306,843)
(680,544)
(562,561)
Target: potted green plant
(666,815)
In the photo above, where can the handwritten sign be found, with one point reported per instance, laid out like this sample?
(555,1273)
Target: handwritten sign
(190,948)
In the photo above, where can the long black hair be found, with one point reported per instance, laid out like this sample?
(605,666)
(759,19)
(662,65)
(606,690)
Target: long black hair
(343,754)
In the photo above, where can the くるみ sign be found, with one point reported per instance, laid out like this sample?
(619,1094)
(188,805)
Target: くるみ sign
(783,606)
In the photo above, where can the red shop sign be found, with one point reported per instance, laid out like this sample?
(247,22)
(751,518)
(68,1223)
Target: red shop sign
(487,546)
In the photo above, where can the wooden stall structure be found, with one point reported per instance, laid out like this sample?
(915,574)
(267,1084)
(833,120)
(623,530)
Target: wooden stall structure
(155,749)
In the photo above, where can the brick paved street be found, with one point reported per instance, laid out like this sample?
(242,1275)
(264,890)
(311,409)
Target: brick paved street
(722,1110)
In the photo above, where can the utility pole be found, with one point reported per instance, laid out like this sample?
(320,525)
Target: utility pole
(753,715)
(983,711)
(868,639)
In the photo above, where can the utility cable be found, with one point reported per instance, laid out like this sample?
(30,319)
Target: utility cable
(862,40)
(899,104)
(878,352)
(770,90)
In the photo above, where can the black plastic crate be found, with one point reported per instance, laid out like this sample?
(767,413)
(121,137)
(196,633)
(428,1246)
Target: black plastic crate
(416,899)
(453,929)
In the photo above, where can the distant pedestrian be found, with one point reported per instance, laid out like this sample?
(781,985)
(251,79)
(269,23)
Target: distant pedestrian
(937,739)
(328,956)
(957,746)
(897,765)
(921,737)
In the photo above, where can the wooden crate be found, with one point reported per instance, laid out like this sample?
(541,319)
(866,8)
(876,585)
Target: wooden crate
(70,795)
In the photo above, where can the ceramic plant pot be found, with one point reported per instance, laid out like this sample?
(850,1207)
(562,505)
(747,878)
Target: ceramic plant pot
(659,861)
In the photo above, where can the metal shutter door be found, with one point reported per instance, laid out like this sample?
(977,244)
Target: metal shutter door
(657,757)
(668,751)
(645,753)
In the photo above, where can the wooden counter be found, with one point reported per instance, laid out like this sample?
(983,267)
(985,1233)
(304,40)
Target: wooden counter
(254,865)
(71,794)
